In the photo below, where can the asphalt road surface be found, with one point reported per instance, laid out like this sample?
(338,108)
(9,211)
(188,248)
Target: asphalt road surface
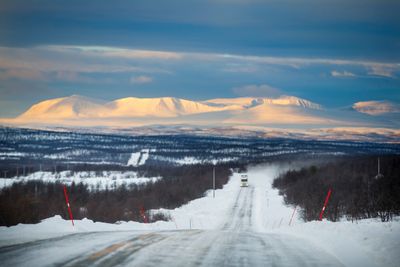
(235,244)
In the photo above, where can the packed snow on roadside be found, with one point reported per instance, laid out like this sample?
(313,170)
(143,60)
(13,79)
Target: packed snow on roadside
(202,213)
(95,180)
(365,243)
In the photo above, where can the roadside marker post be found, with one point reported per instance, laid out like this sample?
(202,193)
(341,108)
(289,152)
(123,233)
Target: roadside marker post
(291,218)
(325,203)
(143,214)
(68,205)
(214,182)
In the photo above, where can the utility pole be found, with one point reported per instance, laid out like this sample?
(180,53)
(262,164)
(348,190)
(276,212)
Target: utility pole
(379,175)
(379,166)
(40,167)
(370,196)
(214,182)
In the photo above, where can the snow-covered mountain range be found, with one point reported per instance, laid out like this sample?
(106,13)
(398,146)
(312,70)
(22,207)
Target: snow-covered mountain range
(75,107)
(247,113)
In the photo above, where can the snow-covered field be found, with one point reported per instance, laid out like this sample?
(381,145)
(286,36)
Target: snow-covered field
(189,160)
(94,180)
(139,158)
(366,243)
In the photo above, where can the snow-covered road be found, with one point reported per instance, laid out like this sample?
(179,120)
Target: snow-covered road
(236,242)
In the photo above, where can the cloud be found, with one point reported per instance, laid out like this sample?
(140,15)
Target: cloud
(297,62)
(263,90)
(116,52)
(46,64)
(240,68)
(241,63)
(141,79)
(253,63)
(22,74)
(384,71)
(75,77)
(343,74)
(92,59)
(27,74)
(377,107)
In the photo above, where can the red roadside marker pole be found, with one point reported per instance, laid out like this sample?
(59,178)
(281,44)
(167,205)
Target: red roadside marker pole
(69,207)
(325,203)
(143,214)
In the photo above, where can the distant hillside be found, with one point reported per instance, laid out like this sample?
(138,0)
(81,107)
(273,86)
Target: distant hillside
(284,114)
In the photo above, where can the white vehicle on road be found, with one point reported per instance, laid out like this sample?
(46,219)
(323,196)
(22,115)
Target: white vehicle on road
(244,180)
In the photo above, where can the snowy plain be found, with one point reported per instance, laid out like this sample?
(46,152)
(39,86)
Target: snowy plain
(94,180)
(365,243)
(138,158)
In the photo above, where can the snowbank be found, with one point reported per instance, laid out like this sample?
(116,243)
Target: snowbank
(366,243)
(55,227)
(363,243)
(207,212)
(202,213)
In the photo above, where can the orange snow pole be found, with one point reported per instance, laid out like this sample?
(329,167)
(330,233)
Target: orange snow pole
(69,207)
(325,203)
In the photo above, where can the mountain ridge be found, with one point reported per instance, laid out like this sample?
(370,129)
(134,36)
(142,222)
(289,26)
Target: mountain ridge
(283,111)
(81,106)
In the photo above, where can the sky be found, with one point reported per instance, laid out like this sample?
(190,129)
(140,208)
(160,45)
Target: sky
(333,52)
